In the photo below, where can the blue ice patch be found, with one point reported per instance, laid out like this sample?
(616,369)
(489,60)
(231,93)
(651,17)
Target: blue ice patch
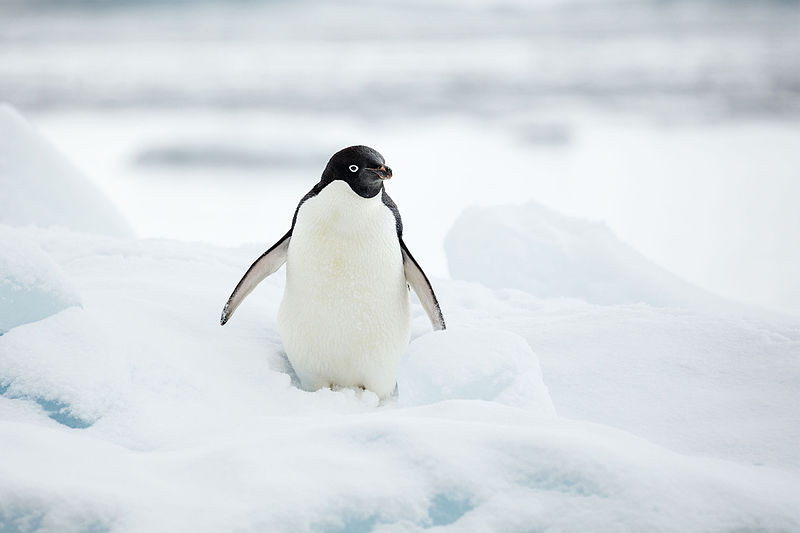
(355,525)
(55,409)
(445,510)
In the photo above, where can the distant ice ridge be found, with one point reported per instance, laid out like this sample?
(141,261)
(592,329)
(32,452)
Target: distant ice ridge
(537,250)
(38,186)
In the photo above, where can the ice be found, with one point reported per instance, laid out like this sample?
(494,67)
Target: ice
(537,250)
(697,383)
(186,425)
(32,285)
(473,364)
(38,186)
(623,402)
(624,342)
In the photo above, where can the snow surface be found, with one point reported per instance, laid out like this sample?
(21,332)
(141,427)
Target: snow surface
(660,357)
(39,186)
(137,412)
(507,372)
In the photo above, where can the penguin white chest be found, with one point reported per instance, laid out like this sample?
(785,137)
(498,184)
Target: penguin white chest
(345,318)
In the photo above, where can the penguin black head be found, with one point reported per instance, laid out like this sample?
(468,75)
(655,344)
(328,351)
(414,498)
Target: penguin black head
(361,167)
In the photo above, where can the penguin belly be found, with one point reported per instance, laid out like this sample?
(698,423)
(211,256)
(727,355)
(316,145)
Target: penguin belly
(345,315)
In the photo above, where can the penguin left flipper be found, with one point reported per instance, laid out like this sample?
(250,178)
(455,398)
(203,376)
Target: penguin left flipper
(418,281)
(268,263)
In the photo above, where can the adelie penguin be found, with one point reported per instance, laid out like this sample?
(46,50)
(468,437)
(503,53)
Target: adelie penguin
(345,316)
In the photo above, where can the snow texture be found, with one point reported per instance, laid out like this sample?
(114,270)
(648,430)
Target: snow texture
(506,370)
(534,249)
(137,412)
(32,285)
(570,410)
(39,187)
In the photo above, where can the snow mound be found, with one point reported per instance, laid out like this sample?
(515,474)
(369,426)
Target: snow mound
(32,285)
(473,364)
(532,248)
(38,186)
(714,385)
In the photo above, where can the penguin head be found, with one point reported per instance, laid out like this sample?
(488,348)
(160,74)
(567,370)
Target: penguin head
(361,167)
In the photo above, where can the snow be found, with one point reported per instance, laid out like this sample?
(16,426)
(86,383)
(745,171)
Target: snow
(137,412)
(655,355)
(506,370)
(608,395)
(698,383)
(39,186)
(32,285)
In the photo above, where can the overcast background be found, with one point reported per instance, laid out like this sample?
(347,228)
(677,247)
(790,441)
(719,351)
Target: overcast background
(677,123)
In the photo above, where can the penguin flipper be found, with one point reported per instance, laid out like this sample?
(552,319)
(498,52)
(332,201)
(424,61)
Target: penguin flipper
(269,262)
(418,281)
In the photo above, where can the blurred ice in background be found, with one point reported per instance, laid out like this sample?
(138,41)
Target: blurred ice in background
(677,123)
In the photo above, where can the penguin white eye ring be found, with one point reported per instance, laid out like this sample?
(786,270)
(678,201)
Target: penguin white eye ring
(345,317)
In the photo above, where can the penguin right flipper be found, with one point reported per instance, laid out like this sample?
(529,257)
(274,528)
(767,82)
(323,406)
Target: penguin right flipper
(269,262)
(419,282)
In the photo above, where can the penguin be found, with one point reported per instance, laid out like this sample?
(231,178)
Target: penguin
(345,318)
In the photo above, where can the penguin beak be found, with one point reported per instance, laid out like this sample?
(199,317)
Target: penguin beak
(383,172)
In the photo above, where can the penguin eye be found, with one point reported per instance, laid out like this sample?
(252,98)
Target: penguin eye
(353,168)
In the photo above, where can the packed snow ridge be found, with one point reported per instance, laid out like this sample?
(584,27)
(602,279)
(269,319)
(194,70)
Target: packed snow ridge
(534,249)
(135,411)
